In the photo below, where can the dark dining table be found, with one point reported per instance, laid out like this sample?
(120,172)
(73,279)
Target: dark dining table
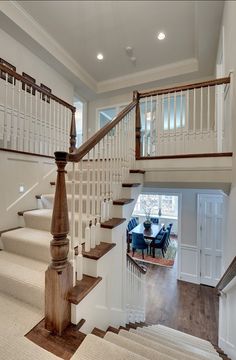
(148,234)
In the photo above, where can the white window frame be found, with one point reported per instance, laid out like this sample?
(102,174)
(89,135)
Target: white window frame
(116,106)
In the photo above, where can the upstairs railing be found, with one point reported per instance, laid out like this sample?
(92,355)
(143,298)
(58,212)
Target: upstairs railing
(188,119)
(228,276)
(32,119)
(97,170)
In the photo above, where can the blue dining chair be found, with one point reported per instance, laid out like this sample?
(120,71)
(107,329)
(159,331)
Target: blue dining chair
(138,243)
(160,243)
(155,220)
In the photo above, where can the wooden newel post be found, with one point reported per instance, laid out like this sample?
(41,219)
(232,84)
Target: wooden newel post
(59,275)
(138,125)
(73,133)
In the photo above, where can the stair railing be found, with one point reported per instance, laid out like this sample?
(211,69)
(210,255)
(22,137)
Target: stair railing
(97,171)
(135,291)
(228,276)
(186,119)
(32,119)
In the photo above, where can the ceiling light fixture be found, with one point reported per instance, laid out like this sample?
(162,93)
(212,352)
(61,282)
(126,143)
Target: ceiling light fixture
(100,56)
(161,36)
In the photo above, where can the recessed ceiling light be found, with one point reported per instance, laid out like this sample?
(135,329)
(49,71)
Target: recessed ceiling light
(161,36)
(100,56)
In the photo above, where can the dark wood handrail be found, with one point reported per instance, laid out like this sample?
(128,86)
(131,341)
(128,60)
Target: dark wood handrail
(24,80)
(228,276)
(100,134)
(140,268)
(225,80)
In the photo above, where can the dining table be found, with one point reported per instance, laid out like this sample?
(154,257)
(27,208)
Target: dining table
(149,234)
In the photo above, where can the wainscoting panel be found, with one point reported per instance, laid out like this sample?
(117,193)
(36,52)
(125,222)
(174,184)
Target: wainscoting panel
(188,263)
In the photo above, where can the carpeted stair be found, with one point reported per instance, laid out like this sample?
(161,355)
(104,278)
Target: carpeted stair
(129,343)
(25,251)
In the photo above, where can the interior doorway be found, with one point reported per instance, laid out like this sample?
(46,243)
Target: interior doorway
(163,209)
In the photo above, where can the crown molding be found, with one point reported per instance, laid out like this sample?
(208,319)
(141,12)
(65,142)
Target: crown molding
(148,76)
(30,26)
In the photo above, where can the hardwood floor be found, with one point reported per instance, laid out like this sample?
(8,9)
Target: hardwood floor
(184,306)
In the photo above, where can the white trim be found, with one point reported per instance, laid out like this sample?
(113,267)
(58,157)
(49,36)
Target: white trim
(228,348)
(187,276)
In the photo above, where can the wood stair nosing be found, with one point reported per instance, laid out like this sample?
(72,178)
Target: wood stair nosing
(130,185)
(113,329)
(137,171)
(98,332)
(99,251)
(21,213)
(82,289)
(131,326)
(112,223)
(122,201)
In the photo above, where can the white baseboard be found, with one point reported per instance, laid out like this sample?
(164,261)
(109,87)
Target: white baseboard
(228,348)
(189,278)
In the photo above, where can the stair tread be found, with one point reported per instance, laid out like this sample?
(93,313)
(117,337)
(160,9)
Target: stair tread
(137,171)
(112,223)
(131,184)
(98,251)
(93,347)
(122,201)
(82,288)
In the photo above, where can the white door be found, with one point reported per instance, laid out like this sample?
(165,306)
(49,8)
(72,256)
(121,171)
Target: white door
(210,233)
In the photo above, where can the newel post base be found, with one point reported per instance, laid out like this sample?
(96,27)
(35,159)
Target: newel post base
(59,275)
(57,307)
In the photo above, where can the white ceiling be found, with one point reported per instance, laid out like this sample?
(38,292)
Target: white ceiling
(84,28)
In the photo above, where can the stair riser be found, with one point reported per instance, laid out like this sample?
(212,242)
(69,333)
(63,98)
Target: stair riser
(22,291)
(47,203)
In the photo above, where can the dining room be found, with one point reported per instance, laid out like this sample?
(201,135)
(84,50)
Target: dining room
(152,232)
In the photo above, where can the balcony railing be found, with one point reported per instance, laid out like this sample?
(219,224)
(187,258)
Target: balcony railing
(189,119)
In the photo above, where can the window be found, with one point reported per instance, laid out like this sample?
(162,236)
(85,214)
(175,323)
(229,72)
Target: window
(166,205)
(149,111)
(79,122)
(168,107)
(107,114)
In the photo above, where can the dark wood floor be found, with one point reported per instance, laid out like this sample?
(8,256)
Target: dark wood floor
(184,306)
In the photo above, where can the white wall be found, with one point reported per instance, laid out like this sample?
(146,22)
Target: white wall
(25,61)
(34,173)
(16,169)
(227,325)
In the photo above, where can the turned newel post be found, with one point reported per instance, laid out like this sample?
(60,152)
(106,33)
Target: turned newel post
(59,275)
(137,125)
(72,133)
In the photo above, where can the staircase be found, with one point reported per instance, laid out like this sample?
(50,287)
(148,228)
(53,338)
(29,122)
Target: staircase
(140,341)
(26,250)
(82,271)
